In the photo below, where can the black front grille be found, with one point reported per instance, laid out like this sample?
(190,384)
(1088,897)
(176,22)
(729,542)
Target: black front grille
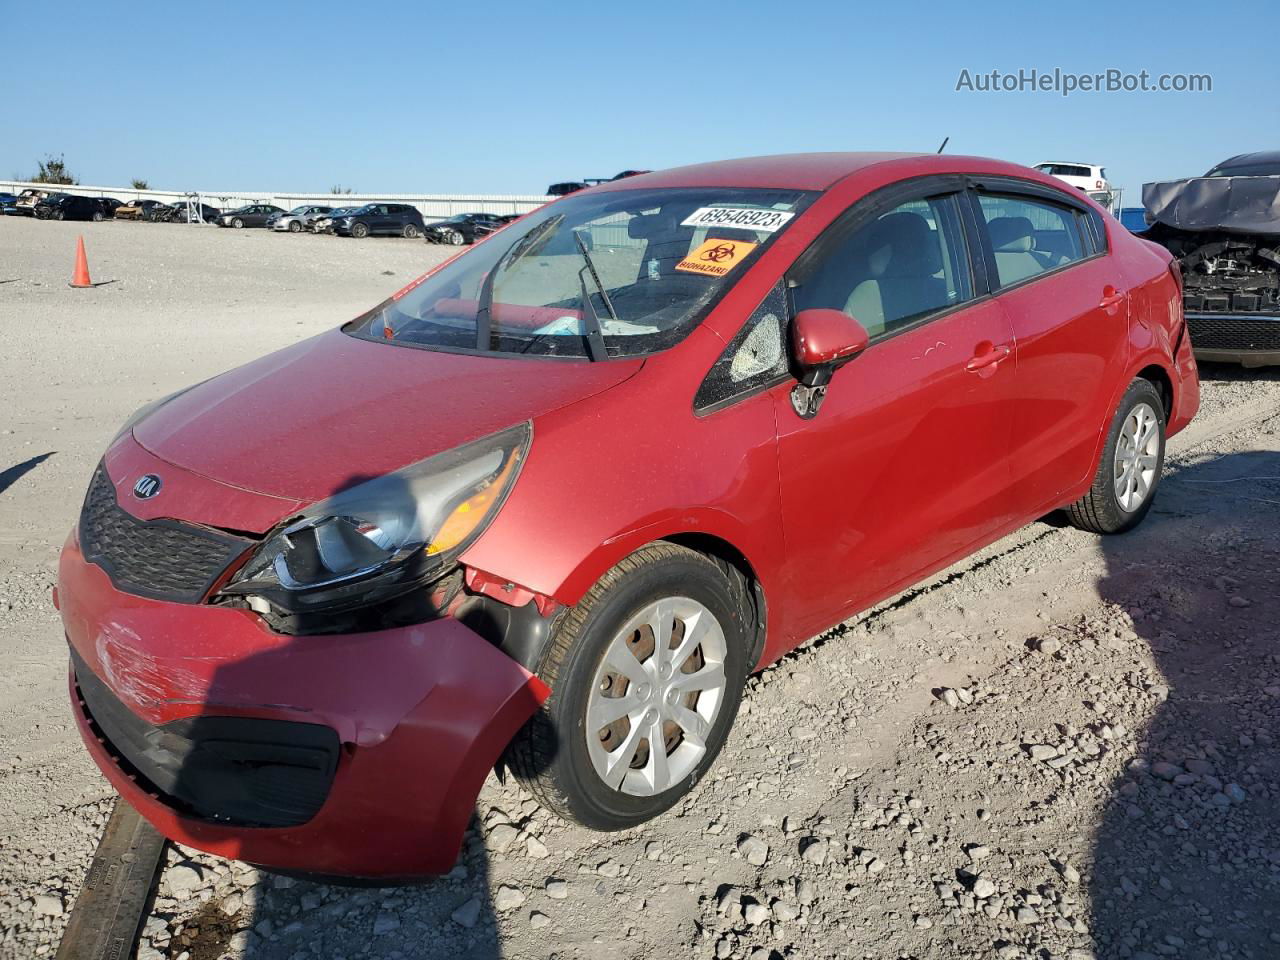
(238,771)
(161,559)
(1234,333)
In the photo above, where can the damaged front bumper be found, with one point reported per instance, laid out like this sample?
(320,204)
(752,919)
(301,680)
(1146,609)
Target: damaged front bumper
(355,755)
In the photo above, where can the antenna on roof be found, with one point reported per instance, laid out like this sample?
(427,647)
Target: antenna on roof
(944,144)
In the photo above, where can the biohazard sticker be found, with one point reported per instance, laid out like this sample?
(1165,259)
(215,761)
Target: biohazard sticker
(715,258)
(741,218)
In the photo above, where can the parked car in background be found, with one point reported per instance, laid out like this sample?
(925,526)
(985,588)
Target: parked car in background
(1089,177)
(184,213)
(1224,228)
(44,205)
(137,209)
(324,222)
(380,219)
(69,207)
(462,228)
(250,215)
(25,205)
(296,220)
(573,186)
(767,395)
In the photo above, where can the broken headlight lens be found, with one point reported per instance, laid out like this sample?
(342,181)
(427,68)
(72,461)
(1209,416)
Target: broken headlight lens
(386,535)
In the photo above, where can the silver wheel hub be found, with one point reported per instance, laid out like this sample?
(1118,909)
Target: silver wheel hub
(1137,456)
(655,696)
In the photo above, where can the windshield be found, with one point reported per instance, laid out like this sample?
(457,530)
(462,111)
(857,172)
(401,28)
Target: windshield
(609,274)
(1263,169)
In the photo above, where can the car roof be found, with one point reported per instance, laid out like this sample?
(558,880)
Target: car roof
(815,171)
(1248,159)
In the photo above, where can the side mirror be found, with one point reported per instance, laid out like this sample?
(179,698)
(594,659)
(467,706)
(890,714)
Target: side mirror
(822,341)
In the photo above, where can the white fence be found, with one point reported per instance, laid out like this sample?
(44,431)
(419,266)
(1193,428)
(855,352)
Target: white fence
(432,206)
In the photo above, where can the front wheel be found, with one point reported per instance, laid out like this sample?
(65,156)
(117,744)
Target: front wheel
(1125,485)
(456,238)
(97,216)
(295,226)
(359,230)
(237,223)
(646,675)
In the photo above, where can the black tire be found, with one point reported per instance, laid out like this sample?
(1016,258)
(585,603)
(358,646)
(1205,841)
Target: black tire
(549,755)
(97,216)
(1100,510)
(237,223)
(295,226)
(59,215)
(456,238)
(411,231)
(359,230)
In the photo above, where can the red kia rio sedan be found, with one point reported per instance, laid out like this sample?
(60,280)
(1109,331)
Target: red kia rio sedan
(550,504)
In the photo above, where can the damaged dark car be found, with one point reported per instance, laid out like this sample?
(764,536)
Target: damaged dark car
(1224,228)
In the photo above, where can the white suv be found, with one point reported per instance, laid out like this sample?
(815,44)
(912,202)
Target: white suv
(1088,177)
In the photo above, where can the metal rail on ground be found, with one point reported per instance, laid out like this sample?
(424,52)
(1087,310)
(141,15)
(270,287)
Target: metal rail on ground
(117,891)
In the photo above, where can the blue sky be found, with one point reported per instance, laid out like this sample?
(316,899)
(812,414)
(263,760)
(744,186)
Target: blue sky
(506,98)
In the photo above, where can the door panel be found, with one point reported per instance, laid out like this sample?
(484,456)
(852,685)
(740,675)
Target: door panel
(1070,318)
(1071,349)
(905,465)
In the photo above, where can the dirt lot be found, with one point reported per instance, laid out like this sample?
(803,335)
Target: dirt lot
(1064,747)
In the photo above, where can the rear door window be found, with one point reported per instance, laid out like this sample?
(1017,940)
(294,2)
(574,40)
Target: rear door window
(1029,236)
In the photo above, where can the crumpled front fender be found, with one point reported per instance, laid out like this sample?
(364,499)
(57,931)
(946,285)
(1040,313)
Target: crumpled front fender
(422,714)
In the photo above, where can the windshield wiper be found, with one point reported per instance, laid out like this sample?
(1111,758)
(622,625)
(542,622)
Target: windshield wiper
(595,336)
(484,309)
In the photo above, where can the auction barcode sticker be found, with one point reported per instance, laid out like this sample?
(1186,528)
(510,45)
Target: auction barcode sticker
(742,218)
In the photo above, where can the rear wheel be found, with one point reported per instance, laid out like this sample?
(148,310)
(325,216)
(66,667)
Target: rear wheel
(410,231)
(646,675)
(1129,472)
(359,230)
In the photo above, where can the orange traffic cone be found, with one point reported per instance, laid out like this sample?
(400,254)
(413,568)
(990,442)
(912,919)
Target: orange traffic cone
(81,277)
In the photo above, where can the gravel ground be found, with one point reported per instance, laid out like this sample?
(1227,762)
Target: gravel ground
(1064,747)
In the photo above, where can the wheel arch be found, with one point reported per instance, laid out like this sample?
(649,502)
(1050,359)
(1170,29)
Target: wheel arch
(709,533)
(1159,376)
(737,563)
(1154,371)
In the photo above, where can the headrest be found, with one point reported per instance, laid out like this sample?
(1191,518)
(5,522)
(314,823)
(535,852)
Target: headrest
(646,226)
(1012,234)
(901,245)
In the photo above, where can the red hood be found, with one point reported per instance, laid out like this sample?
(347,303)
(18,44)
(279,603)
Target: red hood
(301,422)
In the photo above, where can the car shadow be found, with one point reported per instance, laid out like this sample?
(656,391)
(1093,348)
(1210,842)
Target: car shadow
(15,473)
(1186,860)
(1235,373)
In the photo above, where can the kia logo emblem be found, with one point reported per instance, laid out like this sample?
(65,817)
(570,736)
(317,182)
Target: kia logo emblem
(147,486)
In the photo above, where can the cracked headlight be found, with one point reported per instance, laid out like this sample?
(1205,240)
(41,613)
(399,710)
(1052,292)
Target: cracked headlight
(384,536)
